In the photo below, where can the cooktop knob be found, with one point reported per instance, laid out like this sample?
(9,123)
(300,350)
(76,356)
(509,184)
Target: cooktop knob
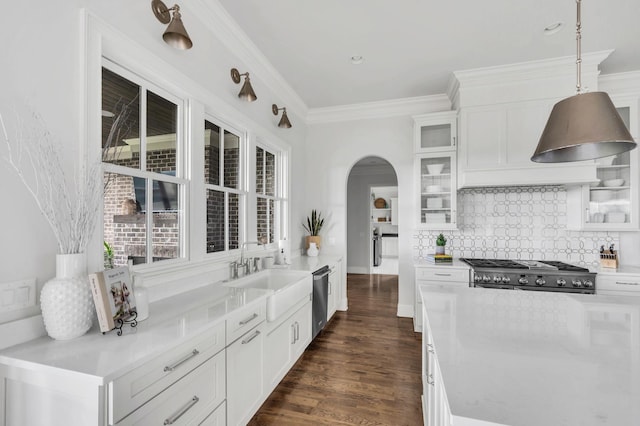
(561,282)
(506,279)
(523,280)
(540,281)
(486,279)
(588,283)
(477,278)
(497,279)
(576,283)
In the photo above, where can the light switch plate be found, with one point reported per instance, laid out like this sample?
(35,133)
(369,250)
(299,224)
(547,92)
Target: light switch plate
(17,295)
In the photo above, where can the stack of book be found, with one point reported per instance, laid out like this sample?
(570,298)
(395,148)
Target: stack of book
(439,258)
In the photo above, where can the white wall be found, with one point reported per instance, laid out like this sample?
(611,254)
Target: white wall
(43,64)
(332,150)
(359,226)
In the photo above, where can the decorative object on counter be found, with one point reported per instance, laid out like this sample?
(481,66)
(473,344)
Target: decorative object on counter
(312,251)
(380,203)
(267,262)
(246,92)
(608,258)
(280,257)
(108,255)
(284,120)
(71,211)
(441,241)
(313,227)
(175,35)
(583,127)
(114,298)
(439,258)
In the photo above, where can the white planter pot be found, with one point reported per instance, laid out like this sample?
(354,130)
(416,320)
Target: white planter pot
(66,301)
(439,249)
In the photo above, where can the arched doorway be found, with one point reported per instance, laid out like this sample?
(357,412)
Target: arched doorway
(372,231)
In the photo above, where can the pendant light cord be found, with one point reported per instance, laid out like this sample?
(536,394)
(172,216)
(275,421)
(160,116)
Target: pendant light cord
(578,48)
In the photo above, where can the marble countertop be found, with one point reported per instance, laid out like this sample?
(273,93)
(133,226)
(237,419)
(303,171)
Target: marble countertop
(537,358)
(105,357)
(310,263)
(456,264)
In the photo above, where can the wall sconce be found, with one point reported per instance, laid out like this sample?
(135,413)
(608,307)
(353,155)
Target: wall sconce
(284,120)
(246,93)
(175,35)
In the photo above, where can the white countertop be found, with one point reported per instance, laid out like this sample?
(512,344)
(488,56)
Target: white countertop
(537,358)
(456,264)
(104,357)
(309,263)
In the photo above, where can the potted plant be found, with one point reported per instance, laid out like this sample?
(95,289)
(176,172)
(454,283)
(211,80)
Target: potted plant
(441,241)
(313,227)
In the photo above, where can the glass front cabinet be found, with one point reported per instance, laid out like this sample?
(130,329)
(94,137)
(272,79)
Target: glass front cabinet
(436,174)
(435,132)
(611,202)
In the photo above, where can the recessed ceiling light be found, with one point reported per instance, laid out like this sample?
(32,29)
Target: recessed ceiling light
(553,28)
(357,60)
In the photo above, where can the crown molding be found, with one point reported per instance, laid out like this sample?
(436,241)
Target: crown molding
(379,109)
(226,29)
(622,83)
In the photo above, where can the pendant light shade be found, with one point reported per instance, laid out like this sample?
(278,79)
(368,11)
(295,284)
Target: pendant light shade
(284,120)
(583,127)
(175,35)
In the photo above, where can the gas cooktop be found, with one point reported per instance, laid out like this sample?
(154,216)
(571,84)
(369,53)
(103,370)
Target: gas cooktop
(551,265)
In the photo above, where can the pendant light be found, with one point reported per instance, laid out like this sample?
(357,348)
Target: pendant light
(284,120)
(585,126)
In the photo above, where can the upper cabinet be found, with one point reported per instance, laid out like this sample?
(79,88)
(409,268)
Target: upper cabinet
(503,111)
(435,132)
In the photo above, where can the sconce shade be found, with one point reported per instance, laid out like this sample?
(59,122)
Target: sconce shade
(284,120)
(247,93)
(176,35)
(583,127)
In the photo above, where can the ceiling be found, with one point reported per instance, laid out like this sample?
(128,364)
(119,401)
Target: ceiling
(411,47)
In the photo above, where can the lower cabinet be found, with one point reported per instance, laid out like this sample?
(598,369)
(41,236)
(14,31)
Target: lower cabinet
(435,406)
(456,274)
(334,290)
(245,362)
(286,340)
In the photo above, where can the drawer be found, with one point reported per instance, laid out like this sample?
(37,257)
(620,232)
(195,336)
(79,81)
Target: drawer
(190,401)
(217,418)
(245,319)
(443,274)
(133,389)
(618,282)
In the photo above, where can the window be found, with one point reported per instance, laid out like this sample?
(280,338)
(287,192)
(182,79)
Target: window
(270,202)
(144,180)
(225,192)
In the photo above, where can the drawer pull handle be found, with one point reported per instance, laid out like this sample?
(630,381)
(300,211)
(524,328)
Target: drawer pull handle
(181,361)
(250,338)
(441,275)
(248,320)
(171,420)
(623,283)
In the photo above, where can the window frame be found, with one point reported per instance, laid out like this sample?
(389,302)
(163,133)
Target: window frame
(280,197)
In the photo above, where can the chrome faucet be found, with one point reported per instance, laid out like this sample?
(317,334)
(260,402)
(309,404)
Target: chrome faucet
(242,249)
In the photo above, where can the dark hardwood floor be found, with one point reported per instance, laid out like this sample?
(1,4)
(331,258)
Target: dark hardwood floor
(363,369)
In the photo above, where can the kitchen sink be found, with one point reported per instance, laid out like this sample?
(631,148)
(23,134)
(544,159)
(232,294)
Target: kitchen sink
(287,288)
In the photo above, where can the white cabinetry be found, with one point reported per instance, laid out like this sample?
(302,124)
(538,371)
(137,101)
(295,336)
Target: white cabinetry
(435,132)
(245,376)
(610,203)
(623,282)
(456,274)
(394,210)
(286,339)
(435,407)
(335,284)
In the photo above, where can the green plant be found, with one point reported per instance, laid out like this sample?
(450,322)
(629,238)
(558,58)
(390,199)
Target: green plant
(441,240)
(108,255)
(314,223)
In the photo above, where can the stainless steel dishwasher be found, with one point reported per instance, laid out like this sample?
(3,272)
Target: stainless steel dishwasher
(320,297)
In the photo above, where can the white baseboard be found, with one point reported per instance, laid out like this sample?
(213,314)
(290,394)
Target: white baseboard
(405,311)
(357,270)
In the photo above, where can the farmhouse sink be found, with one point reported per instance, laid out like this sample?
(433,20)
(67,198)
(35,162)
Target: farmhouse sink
(287,288)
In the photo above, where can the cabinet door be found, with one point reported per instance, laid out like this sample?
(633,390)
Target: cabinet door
(277,355)
(245,376)
(435,132)
(436,178)
(333,293)
(302,331)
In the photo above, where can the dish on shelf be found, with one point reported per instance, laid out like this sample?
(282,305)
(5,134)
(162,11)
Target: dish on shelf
(600,196)
(434,188)
(435,218)
(435,169)
(597,218)
(434,203)
(613,182)
(594,184)
(380,203)
(615,217)
(606,161)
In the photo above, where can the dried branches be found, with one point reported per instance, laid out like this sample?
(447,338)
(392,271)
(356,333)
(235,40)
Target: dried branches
(70,208)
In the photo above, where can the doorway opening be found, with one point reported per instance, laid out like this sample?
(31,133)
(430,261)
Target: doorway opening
(372,219)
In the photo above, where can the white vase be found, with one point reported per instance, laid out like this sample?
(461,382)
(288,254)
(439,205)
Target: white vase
(66,301)
(312,251)
(439,249)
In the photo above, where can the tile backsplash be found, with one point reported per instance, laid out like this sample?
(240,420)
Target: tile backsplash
(516,223)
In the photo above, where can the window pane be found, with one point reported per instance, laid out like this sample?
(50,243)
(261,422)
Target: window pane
(263,219)
(259,171)
(215,221)
(120,119)
(270,170)
(211,153)
(124,220)
(162,117)
(234,221)
(166,221)
(231,160)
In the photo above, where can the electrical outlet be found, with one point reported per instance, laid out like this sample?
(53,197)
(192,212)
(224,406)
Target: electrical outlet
(17,295)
